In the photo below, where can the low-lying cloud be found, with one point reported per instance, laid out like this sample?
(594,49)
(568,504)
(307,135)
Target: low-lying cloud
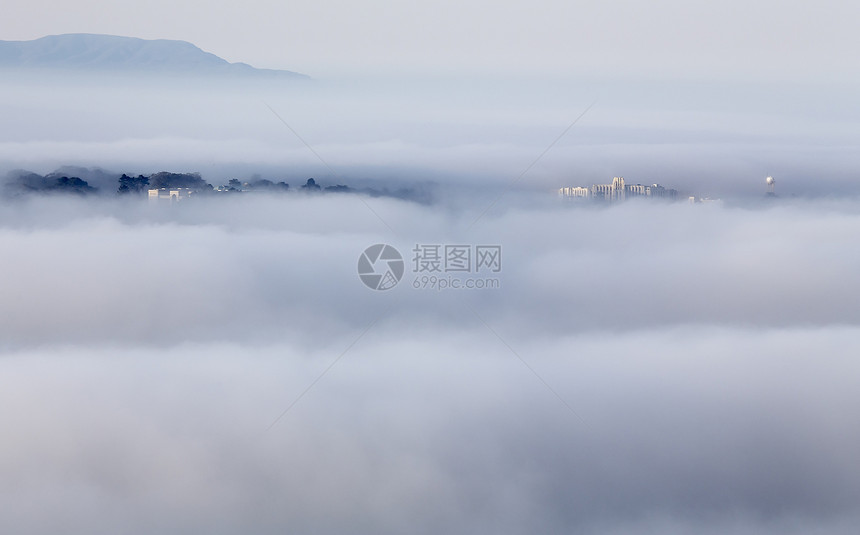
(683,430)
(218,366)
(644,368)
(709,138)
(235,267)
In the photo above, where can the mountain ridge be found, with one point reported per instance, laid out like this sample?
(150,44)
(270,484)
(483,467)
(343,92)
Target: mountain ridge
(100,52)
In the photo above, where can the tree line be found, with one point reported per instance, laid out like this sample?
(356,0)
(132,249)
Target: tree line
(84,182)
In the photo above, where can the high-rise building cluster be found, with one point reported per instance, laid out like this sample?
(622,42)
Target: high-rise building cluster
(617,191)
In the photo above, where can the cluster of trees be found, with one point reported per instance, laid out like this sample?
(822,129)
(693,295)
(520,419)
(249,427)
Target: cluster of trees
(56,182)
(267,185)
(139,184)
(259,184)
(164,179)
(128,184)
(312,185)
(79,181)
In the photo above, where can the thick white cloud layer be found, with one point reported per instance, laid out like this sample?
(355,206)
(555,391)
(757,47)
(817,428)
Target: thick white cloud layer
(644,368)
(228,268)
(704,429)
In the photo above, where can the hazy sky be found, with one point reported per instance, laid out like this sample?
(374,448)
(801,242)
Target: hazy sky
(772,39)
(705,96)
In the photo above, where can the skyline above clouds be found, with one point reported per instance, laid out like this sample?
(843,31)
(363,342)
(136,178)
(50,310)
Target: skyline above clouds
(217,364)
(709,139)
(706,98)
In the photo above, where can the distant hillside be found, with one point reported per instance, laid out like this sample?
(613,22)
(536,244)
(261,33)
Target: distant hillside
(127,54)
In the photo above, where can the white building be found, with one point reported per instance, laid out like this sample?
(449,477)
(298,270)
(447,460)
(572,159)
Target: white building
(617,191)
(170,194)
(574,193)
(637,190)
(610,192)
